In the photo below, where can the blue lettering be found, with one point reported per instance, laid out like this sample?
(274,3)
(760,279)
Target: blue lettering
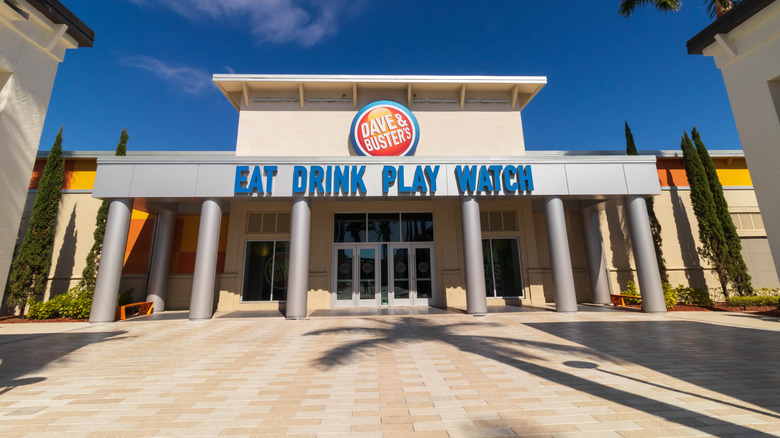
(357,179)
(418,185)
(509,184)
(432,175)
(315,182)
(388,176)
(241,179)
(526,178)
(496,171)
(270,172)
(256,183)
(466,178)
(401,187)
(299,179)
(484,184)
(341,179)
(328,178)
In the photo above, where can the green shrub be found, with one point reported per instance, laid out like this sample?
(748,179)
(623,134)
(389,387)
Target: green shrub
(752,301)
(631,290)
(125,297)
(670,295)
(689,295)
(75,304)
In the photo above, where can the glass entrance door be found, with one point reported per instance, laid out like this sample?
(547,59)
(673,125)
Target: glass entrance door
(411,274)
(356,275)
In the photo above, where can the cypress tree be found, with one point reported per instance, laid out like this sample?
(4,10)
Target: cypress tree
(738,273)
(655,225)
(30,269)
(714,246)
(89,274)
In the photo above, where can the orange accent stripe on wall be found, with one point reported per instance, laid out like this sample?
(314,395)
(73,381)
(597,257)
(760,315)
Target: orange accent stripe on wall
(185,244)
(79,174)
(139,244)
(732,172)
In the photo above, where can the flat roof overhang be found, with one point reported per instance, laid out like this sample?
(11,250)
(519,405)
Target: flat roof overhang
(177,178)
(519,90)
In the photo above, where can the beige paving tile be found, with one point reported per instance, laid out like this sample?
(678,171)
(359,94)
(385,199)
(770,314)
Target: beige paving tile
(428,376)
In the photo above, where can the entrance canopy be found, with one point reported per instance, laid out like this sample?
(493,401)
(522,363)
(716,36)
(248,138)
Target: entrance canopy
(173,177)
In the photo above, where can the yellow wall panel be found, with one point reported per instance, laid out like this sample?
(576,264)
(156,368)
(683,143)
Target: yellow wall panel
(734,177)
(139,215)
(83,175)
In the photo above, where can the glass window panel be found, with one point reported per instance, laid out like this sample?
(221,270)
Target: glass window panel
(383,270)
(280,265)
(349,228)
(344,274)
(417,227)
(506,268)
(487,263)
(424,272)
(401,273)
(510,221)
(495,220)
(384,227)
(283,222)
(257,286)
(367,274)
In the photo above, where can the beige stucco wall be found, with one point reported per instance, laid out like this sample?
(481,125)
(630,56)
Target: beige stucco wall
(73,239)
(680,236)
(320,129)
(752,79)
(27,72)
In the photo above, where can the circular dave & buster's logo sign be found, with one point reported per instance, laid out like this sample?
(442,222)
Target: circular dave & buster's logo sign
(385,129)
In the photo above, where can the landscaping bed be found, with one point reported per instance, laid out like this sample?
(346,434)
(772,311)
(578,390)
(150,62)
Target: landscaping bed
(722,307)
(22,320)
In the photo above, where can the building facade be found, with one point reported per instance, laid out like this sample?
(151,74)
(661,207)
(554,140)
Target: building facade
(299,219)
(34,36)
(745,45)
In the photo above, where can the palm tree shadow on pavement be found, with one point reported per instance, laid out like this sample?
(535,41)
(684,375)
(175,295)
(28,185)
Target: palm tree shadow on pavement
(21,355)
(519,354)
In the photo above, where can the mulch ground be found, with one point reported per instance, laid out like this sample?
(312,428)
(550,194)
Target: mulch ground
(722,307)
(18,320)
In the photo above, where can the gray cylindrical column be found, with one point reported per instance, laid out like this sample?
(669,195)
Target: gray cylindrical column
(298,268)
(202,298)
(111,261)
(594,250)
(161,259)
(476,298)
(560,258)
(650,286)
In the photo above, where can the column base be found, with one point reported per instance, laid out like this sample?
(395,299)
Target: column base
(295,318)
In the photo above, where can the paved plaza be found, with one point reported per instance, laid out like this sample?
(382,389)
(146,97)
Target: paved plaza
(515,373)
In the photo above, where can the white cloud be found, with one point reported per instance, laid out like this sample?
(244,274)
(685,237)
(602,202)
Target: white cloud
(189,80)
(305,22)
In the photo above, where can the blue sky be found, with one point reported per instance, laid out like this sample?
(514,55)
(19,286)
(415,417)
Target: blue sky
(150,68)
